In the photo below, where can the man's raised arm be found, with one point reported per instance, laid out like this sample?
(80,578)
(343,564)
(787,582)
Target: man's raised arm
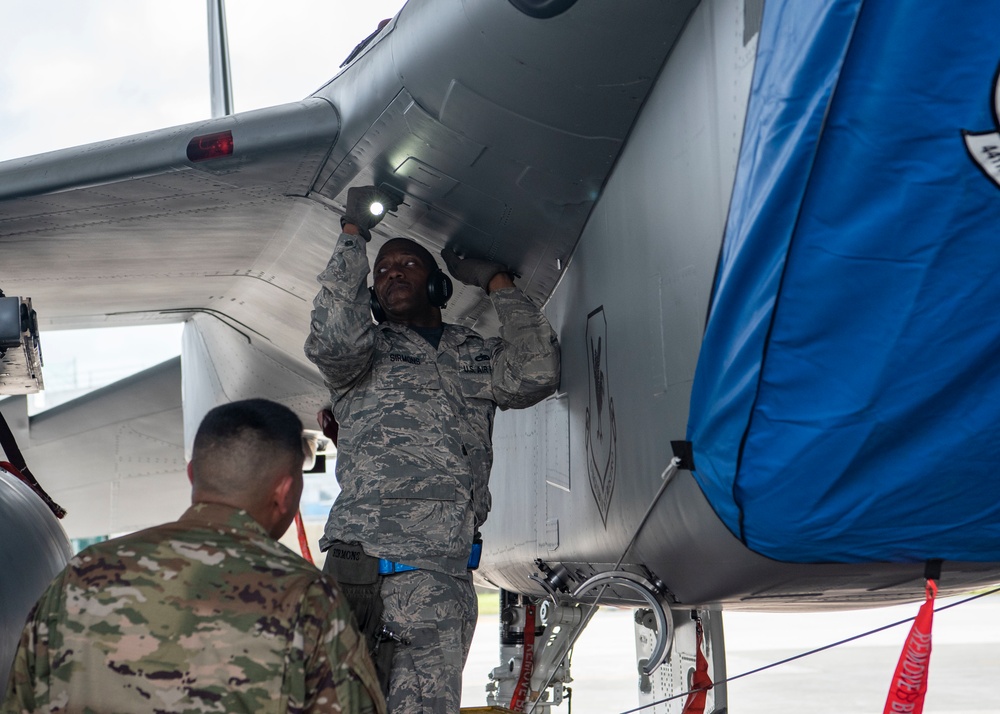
(526,363)
(342,335)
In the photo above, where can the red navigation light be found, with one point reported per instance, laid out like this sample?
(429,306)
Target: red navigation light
(210,146)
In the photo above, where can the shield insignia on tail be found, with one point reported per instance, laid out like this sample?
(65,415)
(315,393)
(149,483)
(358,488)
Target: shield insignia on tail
(602,434)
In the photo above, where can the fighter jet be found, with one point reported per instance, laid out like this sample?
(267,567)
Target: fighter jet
(764,232)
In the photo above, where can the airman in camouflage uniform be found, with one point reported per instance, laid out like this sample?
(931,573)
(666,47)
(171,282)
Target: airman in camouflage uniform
(206,614)
(415,401)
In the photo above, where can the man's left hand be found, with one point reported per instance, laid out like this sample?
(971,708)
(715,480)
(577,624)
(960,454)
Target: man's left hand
(474,271)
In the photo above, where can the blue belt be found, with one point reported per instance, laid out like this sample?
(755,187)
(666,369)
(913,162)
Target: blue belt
(390,567)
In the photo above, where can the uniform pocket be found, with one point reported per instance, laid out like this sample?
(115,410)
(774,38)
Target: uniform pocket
(402,372)
(475,370)
(476,385)
(403,400)
(425,518)
(417,684)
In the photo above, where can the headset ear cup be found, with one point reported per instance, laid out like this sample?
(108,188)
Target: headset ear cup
(439,288)
(376,307)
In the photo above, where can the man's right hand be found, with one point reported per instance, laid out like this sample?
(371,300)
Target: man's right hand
(359,202)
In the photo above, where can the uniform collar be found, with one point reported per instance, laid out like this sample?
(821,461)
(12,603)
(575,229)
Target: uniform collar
(217,514)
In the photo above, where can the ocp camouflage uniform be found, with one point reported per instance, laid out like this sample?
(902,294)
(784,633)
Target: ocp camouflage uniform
(414,455)
(207,614)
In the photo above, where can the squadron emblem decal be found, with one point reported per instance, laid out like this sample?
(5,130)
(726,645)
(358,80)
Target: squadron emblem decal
(984,147)
(602,433)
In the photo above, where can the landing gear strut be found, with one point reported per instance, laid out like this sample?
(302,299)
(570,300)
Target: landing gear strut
(534,669)
(535,640)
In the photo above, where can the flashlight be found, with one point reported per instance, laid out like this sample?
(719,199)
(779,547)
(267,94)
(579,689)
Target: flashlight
(376,208)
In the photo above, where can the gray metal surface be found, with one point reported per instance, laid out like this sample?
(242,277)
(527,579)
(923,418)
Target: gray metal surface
(645,259)
(222,363)
(484,119)
(114,458)
(33,549)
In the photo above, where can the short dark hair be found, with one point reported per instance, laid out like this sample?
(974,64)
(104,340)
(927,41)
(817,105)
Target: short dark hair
(419,250)
(243,438)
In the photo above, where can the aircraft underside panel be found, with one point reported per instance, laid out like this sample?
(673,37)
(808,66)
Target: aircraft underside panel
(848,390)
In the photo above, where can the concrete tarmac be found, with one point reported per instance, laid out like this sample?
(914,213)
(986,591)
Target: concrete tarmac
(855,677)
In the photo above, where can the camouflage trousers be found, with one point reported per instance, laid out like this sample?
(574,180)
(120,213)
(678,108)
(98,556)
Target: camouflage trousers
(437,614)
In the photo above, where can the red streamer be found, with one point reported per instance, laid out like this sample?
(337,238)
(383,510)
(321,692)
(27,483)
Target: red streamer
(909,682)
(303,541)
(520,696)
(701,682)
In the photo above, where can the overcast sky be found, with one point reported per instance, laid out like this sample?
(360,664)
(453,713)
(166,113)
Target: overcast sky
(78,71)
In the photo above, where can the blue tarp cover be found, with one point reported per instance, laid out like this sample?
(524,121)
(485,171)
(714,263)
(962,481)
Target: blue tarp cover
(847,398)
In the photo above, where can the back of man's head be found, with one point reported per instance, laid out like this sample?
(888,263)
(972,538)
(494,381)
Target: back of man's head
(242,449)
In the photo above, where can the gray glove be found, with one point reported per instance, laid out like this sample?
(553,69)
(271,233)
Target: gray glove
(359,201)
(472,271)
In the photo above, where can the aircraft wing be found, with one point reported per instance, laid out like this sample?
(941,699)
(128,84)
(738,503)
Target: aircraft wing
(499,126)
(132,231)
(500,147)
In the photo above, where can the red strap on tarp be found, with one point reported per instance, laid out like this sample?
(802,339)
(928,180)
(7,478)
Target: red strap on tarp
(909,683)
(520,696)
(701,682)
(303,541)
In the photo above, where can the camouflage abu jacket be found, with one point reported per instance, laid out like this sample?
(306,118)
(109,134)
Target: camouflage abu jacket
(207,614)
(416,423)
